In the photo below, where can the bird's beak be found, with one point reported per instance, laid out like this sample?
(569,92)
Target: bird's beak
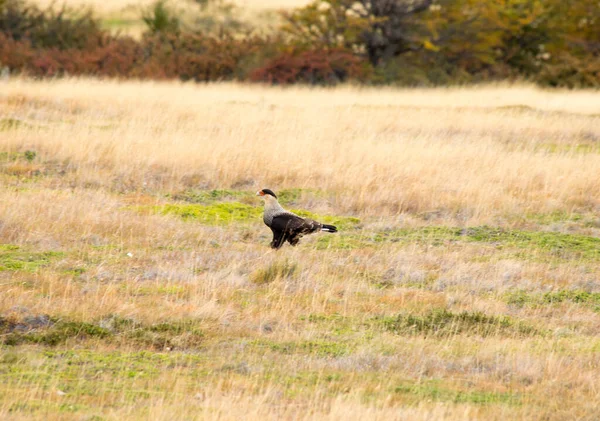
(259,193)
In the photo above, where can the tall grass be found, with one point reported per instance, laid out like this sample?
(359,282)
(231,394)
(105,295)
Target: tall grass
(478,153)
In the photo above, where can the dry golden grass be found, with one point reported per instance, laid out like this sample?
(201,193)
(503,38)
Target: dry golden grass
(469,289)
(480,153)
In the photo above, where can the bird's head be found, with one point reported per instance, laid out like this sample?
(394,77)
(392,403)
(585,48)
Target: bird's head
(266,194)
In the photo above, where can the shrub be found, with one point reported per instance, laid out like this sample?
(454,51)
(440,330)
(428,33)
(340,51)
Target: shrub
(14,54)
(161,56)
(159,18)
(420,42)
(62,28)
(326,67)
(198,57)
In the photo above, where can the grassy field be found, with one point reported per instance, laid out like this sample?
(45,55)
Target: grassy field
(136,280)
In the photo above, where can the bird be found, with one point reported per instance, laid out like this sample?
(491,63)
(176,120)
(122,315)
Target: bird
(287,226)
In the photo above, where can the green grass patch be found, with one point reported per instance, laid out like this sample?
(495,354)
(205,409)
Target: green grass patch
(225,206)
(522,298)
(436,322)
(118,23)
(13,258)
(211,196)
(432,390)
(335,323)
(234,212)
(572,296)
(12,124)
(321,348)
(341,222)
(295,195)
(557,217)
(123,378)
(114,360)
(214,214)
(441,322)
(159,289)
(427,235)
(49,331)
(78,372)
(554,244)
(27,155)
(553,217)
(285,197)
(324,318)
(344,241)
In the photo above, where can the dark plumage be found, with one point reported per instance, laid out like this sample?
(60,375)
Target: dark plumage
(269,192)
(287,226)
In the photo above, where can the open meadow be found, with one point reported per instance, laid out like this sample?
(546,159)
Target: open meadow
(137,282)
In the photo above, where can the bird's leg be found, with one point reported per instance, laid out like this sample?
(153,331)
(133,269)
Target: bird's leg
(277,241)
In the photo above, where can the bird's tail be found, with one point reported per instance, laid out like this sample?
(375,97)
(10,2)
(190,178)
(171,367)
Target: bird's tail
(328,228)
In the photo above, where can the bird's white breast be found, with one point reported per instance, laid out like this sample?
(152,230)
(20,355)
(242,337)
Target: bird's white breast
(272,209)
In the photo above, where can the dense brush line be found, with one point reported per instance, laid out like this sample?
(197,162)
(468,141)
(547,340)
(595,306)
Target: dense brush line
(436,44)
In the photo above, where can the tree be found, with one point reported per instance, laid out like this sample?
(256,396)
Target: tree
(487,35)
(573,52)
(380,29)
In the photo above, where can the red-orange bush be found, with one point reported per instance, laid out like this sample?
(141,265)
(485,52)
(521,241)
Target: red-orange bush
(117,58)
(14,54)
(313,67)
(184,56)
(63,41)
(196,56)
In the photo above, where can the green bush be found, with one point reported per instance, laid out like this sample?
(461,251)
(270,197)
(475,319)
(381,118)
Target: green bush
(62,28)
(160,18)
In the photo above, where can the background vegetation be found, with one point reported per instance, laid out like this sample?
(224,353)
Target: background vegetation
(405,42)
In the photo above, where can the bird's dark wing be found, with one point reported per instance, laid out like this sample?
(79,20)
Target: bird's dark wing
(287,222)
(291,227)
(283,227)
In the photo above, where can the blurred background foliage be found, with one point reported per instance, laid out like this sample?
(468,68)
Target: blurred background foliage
(401,42)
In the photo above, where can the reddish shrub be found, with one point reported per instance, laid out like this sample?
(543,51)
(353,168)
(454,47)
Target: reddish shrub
(187,56)
(206,58)
(118,58)
(54,43)
(314,67)
(184,56)
(14,54)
